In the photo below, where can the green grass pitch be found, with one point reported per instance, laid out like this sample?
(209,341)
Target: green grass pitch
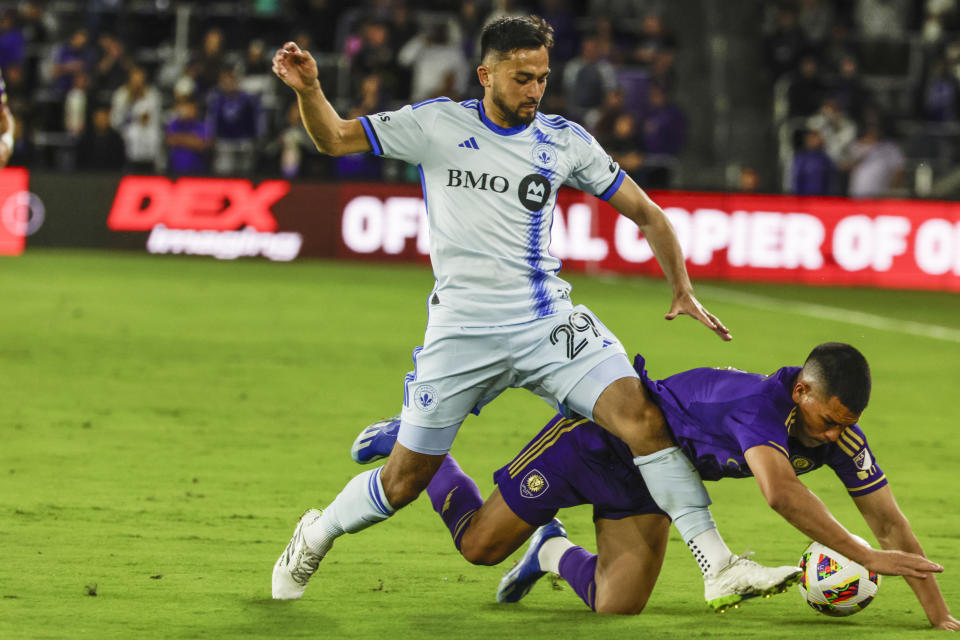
(164,422)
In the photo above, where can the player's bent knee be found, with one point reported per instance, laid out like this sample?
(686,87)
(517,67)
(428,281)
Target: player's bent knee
(480,550)
(480,555)
(620,608)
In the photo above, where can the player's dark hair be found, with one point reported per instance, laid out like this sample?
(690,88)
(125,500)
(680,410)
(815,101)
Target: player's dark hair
(506,34)
(844,373)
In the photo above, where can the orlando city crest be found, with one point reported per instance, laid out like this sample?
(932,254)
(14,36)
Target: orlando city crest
(533,485)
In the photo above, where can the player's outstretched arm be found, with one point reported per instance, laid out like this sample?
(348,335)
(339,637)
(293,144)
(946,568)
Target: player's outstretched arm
(805,511)
(331,134)
(893,531)
(631,201)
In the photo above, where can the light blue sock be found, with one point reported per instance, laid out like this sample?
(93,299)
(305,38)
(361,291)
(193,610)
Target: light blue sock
(677,489)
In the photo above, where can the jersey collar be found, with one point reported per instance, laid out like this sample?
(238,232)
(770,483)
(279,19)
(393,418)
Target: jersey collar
(497,129)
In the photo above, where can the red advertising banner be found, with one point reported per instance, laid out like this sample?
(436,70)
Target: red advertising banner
(905,244)
(14,210)
(220,217)
(909,244)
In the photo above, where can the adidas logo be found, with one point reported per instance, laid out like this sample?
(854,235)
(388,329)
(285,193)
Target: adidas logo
(469,144)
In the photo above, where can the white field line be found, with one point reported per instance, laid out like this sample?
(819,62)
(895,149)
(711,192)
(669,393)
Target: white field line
(836,314)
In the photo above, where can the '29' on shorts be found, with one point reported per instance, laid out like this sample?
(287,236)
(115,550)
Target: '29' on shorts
(573,462)
(567,359)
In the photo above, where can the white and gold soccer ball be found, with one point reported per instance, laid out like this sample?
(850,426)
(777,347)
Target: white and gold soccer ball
(833,584)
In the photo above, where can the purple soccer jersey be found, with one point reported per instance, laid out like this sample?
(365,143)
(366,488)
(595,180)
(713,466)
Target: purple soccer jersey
(717,414)
(714,414)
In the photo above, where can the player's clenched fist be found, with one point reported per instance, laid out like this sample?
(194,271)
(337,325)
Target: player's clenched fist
(295,67)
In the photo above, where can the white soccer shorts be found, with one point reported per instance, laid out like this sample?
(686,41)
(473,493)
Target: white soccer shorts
(567,359)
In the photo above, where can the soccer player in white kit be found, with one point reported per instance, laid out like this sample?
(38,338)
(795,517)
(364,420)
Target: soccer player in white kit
(499,316)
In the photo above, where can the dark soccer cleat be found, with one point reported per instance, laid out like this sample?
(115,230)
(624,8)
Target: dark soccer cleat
(376,441)
(517,582)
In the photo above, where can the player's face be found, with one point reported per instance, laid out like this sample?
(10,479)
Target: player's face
(820,420)
(516,84)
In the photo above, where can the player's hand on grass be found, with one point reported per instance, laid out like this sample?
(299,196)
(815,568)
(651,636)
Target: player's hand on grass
(686,303)
(900,563)
(296,67)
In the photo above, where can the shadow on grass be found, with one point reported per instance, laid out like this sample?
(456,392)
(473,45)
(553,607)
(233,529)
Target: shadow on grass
(269,618)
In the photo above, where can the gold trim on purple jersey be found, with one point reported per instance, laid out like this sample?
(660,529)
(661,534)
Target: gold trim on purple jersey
(538,446)
(850,443)
(791,418)
(780,448)
(867,486)
(462,523)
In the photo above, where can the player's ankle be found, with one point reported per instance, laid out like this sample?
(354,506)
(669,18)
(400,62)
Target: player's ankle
(551,552)
(710,552)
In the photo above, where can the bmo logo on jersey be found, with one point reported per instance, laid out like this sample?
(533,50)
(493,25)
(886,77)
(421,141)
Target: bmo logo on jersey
(482,182)
(534,191)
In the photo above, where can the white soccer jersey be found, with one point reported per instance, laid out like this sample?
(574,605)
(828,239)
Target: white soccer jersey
(490,194)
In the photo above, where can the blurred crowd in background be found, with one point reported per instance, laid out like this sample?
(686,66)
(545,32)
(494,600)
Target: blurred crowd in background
(186,88)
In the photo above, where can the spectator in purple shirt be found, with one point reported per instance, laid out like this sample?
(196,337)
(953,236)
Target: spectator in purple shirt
(813,171)
(71,59)
(187,140)
(11,40)
(665,126)
(940,97)
(235,120)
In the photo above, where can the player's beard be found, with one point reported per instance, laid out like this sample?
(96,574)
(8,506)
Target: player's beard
(513,116)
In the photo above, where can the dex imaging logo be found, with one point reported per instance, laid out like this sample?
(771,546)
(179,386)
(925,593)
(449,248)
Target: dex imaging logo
(225,218)
(534,191)
(426,398)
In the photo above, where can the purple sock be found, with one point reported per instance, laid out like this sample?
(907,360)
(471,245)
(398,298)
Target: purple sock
(578,567)
(454,495)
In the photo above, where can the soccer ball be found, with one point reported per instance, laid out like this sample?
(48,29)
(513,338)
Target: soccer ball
(833,584)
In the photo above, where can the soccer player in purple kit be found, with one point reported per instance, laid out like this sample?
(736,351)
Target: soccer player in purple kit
(730,424)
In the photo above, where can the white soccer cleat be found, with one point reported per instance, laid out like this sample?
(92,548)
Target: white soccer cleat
(742,578)
(296,564)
